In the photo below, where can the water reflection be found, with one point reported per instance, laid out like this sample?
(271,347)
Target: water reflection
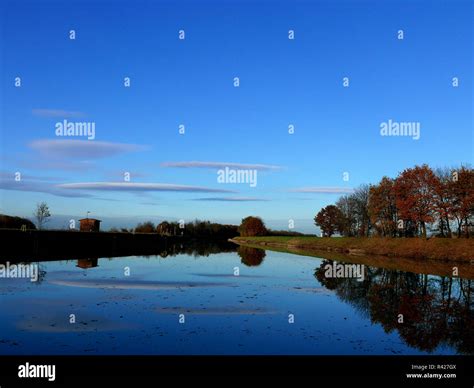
(229,314)
(199,248)
(436,311)
(87,263)
(191,248)
(251,257)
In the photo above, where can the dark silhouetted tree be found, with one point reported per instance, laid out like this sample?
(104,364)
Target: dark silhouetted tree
(461,189)
(164,229)
(15,222)
(146,227)
(42,214)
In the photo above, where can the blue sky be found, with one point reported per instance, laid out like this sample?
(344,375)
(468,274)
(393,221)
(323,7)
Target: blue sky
(191,82)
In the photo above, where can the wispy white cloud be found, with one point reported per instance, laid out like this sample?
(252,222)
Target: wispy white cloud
(109,199)
(7,175)
(39,187)
(139,187)
(58,164)
(323,190)
(57,113)
(221,165)
(41,162)
(120,174)
(233,199)
(85,149)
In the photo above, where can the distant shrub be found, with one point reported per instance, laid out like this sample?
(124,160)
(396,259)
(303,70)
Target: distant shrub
(146,227)
(9,222)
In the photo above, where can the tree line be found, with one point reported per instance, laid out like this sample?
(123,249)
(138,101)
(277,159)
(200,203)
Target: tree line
(250,226)
(417,200)
(193,229)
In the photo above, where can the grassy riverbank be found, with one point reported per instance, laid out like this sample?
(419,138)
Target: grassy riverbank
(413,248)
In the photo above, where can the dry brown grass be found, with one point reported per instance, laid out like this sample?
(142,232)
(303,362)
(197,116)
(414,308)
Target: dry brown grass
(416,248)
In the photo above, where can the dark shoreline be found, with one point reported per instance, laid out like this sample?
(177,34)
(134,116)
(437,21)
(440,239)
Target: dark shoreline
(49,245)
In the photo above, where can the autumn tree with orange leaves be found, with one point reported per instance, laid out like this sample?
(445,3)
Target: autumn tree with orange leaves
(329,219)
(419,197)
(415,196)
(252,226)
(382,208)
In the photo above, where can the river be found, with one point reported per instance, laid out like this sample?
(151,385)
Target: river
(248,301)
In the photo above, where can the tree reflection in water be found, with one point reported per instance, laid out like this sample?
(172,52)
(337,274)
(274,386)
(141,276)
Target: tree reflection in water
(437,311)
(251,257)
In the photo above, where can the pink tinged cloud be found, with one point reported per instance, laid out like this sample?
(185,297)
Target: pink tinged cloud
(221,165)
(82,148)
(139,187)
(39,187)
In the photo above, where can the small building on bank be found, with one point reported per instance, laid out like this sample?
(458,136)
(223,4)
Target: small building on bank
(89,225)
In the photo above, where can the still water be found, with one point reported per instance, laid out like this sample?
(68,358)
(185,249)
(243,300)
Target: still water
(245,302)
